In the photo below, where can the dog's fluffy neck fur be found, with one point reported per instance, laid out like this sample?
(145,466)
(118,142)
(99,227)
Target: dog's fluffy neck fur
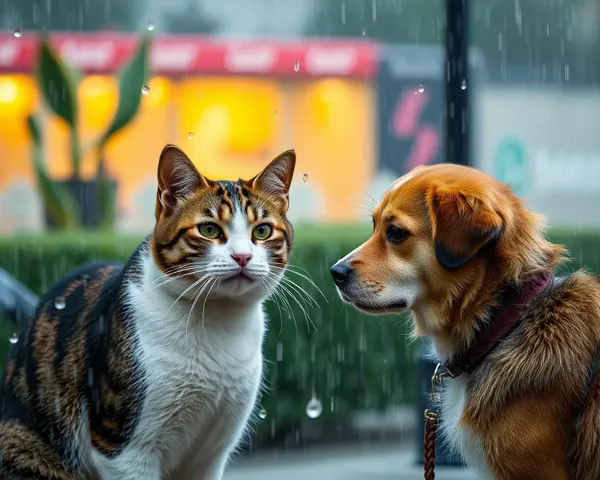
(453,324)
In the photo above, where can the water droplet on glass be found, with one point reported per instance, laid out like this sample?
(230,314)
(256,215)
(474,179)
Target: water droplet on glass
(420,89)
(14,338)
(151,27)
(60,303)
(305,177)
(190,135)
(314,408)
(262,414)
(17,33)
(364,32)
(145,89)
(463,85)
(296,65)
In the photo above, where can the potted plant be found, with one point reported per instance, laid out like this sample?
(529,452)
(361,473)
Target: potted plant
(75,202)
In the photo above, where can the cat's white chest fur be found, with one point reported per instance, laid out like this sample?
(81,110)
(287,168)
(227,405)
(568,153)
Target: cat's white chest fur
(459,437)
(202,379)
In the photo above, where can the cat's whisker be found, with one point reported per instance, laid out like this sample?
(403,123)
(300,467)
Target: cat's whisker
(303,294)
(197,282)
(165,282)
(179,269)
(197,297)
(275,300)
(301,291)
(164,279)
(206,299)
(291,294)
(196,294)
(304,276)
(287,306)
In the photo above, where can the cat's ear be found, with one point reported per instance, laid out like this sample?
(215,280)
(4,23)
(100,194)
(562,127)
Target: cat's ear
(276,178)
(177,178)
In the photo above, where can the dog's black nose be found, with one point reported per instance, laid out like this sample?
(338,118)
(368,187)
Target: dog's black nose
(340,273)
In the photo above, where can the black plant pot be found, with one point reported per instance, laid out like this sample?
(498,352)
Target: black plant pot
(87,197)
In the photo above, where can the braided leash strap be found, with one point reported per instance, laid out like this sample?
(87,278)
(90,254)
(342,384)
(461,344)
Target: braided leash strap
(432,417)
(431,421)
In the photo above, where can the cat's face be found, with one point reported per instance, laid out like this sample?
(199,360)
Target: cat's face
(222,238)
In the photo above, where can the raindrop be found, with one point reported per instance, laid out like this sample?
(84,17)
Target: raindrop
(305,177)
(60,303)
(420,89)
(314,408)
(279,351)
(91,377)
(262,414)
(364,32)
(343,13)
(374,11)
(190,135)
(145,89)
(151,27)
(463,85)
(17,33)
(296,65)
(14,338)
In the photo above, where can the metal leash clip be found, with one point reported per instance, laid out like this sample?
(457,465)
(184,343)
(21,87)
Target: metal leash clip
(436,394)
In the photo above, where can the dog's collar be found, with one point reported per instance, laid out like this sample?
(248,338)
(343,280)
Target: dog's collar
(507,317)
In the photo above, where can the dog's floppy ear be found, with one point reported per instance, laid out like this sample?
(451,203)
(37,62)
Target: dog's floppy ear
(462,223)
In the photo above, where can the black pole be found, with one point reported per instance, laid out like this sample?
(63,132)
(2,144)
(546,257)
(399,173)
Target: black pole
(457,129)
(457,124)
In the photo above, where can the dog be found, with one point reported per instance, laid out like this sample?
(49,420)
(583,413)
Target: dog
(462,253)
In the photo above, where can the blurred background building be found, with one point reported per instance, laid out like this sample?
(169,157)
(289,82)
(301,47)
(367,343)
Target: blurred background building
(355,86)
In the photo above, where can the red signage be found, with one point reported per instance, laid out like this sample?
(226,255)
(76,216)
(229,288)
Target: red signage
(179,55)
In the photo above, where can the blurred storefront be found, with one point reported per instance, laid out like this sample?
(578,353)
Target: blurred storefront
(359,114)
(231,105)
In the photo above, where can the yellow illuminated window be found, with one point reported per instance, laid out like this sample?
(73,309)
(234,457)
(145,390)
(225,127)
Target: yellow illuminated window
(237,114)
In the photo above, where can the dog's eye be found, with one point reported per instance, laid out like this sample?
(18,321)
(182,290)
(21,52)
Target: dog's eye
(396,234)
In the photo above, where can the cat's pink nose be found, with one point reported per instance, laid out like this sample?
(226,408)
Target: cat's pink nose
(241,259)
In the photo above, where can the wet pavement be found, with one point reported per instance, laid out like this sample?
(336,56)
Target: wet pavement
(372,462)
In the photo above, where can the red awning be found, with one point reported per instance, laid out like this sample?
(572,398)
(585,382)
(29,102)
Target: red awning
(187,55)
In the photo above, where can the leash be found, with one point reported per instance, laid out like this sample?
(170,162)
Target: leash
(432,419)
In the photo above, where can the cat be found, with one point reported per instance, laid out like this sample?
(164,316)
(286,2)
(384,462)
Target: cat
(151,369)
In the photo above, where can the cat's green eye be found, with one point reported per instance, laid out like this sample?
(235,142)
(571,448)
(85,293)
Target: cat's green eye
(210,230)
(262,232)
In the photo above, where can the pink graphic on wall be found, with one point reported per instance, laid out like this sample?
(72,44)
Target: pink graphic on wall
(406,124)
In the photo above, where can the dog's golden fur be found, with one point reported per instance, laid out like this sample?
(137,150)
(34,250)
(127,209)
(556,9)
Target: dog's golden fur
(533,405)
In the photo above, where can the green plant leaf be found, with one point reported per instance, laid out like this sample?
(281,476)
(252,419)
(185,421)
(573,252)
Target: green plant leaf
(131,81)
(56,84)
(58,200)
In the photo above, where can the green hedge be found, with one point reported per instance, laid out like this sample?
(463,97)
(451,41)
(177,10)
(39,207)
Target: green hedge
(350,361)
